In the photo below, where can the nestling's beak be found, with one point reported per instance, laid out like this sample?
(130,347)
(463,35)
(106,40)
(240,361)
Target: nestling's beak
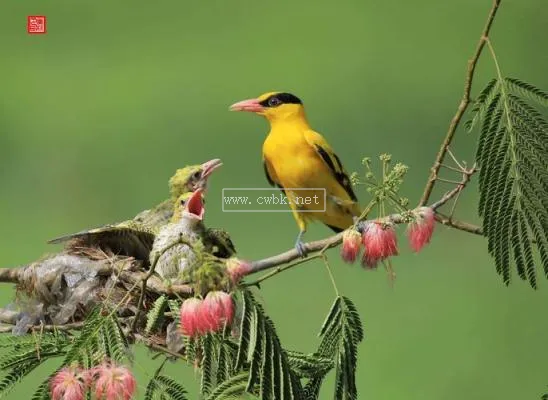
(210,166)
(195,205)
(251,105)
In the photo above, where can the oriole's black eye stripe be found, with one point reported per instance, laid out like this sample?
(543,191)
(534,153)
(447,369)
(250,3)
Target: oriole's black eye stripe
(274,101)
(280,98)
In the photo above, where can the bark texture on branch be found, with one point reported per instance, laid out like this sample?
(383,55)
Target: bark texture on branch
(463,105)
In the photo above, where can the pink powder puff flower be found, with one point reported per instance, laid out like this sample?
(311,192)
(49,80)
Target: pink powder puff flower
(379,241)
(351,245)
(190,319)
(419,232)
(217,311)
(113,382)
(237,269)
(70,383)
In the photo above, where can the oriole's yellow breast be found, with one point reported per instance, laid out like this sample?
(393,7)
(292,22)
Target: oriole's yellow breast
(295,163)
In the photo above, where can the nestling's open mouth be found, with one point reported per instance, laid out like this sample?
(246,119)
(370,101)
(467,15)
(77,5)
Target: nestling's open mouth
(195,205)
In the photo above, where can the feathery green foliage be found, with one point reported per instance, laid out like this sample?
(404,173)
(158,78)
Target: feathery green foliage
(161,387)
(341,334)
(512,155)
(218,358)
(42,393)
(260,351)
(156,314)
(26,353)
(309,365)
(232,388)
(101,338)
(527,90)
(257,364)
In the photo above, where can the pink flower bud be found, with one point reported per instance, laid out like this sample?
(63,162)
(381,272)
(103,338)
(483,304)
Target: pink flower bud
(112,382)
(217,311)
(419,232)
(237,269)
(351,245)
(69,384)
(379,240)
(190,322)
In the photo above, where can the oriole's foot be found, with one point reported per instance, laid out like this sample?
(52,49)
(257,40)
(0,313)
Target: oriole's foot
(360,225)
(299,245)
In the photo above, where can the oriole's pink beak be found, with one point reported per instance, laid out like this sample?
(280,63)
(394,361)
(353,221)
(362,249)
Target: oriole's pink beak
(250,105)
(195,205)
(209,166)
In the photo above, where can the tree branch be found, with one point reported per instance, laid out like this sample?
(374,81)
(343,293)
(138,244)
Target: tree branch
(27,273)
(313,248)
(465,101)
(10,318)
(158,347)
(460,225)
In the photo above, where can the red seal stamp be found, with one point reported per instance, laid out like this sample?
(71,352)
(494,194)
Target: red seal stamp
(36,24)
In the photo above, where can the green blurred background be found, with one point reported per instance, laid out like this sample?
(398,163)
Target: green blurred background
(97,114)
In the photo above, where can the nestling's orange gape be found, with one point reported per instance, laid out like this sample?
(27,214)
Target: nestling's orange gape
(295,156)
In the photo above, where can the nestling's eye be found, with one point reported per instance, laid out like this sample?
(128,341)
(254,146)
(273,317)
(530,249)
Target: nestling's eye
(274,101)
(196,175)
(183,202)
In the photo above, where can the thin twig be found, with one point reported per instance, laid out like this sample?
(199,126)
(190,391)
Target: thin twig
(459,170)
(155,346)
(450,181)
(281,268)
(48,328)
(462,106)
(330,273)
(460,225)
(454,206)
(454,158)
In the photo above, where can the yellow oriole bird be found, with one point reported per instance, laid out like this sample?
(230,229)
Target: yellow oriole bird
(297,157)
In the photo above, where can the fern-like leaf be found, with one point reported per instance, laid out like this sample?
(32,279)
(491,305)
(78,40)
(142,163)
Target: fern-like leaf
(309,365)
(27,353)
(512,155)
(208,347)
(232,388)
(483,101)
(341,334)
(156,314)
(101,338)
(42,393)
(151,389)
(526,89)
(260,350)
(217,363)
(161,387)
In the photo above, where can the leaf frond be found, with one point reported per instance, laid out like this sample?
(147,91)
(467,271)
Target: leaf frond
(512,155)
(232,388)
(155,316)
(26,354)
(341,334)
(259,350)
